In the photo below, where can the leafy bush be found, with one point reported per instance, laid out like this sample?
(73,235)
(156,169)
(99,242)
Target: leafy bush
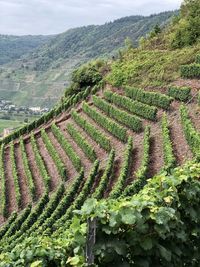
(138,108)
(64,204)
(191,134)
(190,71)
(86,75)
(169,158)
(67,147)
(198,59)
(3,199)
(187,30)
(199,98)
(121,116)
(141,174)
(31,185)
(54,154)
(157,227)
(110,125)
(180,93)
(150,98)
(18,195)
(124,172)
(93,132)
(107,175)
(82,142)
(80,199)
(40,164)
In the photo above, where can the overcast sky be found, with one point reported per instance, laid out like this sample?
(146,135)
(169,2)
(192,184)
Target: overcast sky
(21,17)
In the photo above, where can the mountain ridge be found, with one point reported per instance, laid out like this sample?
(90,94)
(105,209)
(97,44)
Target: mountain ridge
(47,70)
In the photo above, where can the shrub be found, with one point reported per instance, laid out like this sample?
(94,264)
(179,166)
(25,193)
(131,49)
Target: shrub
(110,125)
(191,135)
(150,98)
(131,121)
(180,93)
(124,172)
(99,137)
(76,161)
(169,158)
(138,108)
(141,174)
(190,71)
(82,142)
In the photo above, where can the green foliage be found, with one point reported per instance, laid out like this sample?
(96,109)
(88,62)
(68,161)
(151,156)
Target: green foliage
(40,164)
(190,71)
(94,133)
(13,47)
(82,142)
(191,134)
(169,158)
(87,75)
(15,175)
(107,175)
(187,30)
(111,126)
(121,116)
(199,98)
(66,146)
(54,154)
(150,98)
(80,199)
(124,172)
(157,227)
(6,225)
(14,225)
(3,202)
(27,170)
(197,59)
(180,93)
(25,223)
(141,174)
(65,202)
(46,213)
(135,107)
(151,67)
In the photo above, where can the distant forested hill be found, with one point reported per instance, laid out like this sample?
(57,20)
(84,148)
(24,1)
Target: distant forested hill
(13,47)
(40,77)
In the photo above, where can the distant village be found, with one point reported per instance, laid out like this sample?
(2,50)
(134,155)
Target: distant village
(8,107)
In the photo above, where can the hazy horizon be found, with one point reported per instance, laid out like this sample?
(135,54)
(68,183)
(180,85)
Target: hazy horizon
(45,17)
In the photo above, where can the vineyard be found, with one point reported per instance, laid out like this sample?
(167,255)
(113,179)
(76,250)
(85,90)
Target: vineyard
(106,143)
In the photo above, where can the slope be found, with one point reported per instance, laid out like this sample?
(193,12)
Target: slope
(13,47)
(45,73)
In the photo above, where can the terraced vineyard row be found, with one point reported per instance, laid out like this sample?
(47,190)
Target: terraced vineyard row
(106,147)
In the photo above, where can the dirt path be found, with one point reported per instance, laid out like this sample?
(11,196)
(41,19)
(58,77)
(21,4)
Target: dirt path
(39,185)
(71,171)
(51,167)
(10,187)
(23,183)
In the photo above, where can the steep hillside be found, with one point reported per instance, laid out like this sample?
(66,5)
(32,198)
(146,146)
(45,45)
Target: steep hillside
(45,73)
(110,176)
(13,47)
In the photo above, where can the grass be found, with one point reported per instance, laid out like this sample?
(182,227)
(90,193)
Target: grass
(150,67)
(9,124)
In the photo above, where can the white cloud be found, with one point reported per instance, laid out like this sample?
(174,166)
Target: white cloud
(49,16)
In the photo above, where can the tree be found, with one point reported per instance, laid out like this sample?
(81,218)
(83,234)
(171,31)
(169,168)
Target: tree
(187,30)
